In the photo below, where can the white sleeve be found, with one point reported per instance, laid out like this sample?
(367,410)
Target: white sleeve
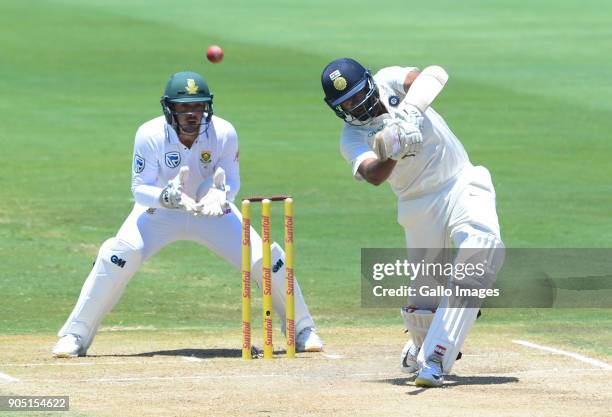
(230,162)
(145,171)
(355,151)
(394,77)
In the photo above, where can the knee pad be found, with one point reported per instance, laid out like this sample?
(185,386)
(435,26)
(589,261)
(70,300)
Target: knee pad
(303,318)
(116,263)
(475,236)
(481,244)
(277,259)
(417,323)
(119,256)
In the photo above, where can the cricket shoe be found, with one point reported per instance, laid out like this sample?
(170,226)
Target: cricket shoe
(409,358)
(308,341)
(69,346)
(430,375)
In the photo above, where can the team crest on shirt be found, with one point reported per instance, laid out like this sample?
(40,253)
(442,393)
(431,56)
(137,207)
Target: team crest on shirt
(173,159)
(139,164)
(394,101)
(205,157)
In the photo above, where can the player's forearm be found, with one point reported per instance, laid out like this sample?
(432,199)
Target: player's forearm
(147,195)
(376,172)
(423,89)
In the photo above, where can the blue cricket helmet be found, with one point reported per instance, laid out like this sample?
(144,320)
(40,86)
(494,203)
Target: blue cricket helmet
(343,79)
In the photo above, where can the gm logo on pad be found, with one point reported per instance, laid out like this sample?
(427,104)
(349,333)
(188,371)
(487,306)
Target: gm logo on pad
(118,261)
(277,265)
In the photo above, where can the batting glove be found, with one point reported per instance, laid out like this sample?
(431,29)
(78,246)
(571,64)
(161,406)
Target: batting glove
(410,114)
(397,140)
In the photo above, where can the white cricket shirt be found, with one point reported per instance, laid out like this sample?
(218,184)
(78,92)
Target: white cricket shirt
(441,158)
(158,156)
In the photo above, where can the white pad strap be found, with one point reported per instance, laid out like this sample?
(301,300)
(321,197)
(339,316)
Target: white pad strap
(417,322)
(426,87)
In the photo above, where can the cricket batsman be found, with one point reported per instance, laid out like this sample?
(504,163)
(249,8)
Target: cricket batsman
(392,134)
(185,176)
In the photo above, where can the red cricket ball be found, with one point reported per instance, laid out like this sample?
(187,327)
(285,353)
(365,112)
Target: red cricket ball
(214,54)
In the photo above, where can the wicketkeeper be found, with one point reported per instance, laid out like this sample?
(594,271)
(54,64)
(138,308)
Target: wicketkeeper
(185,177)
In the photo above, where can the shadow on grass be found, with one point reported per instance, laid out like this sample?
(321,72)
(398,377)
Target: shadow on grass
(451,381)
(193,353)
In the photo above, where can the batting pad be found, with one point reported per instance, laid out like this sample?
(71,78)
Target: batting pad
(117,262)
(417,323)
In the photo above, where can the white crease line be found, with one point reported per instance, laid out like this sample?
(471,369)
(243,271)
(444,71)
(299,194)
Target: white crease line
(213,377)
(8,378)
(192,359)
(546,371)
(358,376)
(28,365)
(333,356)
(68,363)
(585,359)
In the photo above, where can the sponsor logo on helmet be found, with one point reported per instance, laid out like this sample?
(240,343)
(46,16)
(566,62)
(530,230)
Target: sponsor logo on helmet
(173,159)
(394,101)
(205,157)
(340,83)
(192,87)
(334,75)
(139,164)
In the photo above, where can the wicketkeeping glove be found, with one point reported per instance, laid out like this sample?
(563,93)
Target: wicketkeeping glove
(172,195)
(214,203)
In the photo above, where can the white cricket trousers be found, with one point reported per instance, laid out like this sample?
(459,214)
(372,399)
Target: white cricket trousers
(461,215)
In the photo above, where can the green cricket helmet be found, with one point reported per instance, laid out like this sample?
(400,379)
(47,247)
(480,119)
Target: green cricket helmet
(186,87)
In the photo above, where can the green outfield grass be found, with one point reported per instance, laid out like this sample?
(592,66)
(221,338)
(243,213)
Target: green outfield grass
(528,96)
